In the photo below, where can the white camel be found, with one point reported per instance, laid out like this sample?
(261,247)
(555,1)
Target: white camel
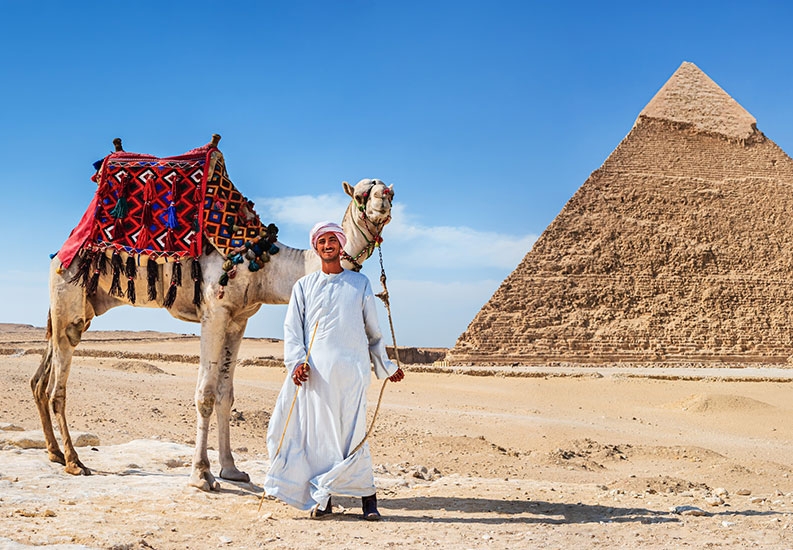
(223,322)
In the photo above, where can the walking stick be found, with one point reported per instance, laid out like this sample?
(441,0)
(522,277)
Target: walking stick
(291,408)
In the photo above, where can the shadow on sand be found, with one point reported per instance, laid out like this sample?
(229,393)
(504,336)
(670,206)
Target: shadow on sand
(489,511)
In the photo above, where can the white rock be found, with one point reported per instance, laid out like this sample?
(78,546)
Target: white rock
(714,501)
(727,523)
(720,492)
(689,511)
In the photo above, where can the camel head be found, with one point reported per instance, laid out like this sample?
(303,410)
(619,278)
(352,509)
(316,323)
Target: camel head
(373,199)
(369,212)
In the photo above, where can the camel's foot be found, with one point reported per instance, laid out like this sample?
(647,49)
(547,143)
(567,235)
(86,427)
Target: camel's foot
(57,456)
(77,468)
(233,474)
(204,481)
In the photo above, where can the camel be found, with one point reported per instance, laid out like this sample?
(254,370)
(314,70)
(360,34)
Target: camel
(223,314)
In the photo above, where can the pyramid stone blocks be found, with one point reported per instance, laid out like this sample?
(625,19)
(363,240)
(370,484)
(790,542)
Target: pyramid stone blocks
(678,248)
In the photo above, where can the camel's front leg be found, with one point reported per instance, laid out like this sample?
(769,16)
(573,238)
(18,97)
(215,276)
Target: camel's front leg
(220,341)
(213,328)
(225,400)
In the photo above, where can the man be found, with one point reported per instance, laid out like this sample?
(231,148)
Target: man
(336,307)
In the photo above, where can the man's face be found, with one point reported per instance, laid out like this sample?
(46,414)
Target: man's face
(328,247)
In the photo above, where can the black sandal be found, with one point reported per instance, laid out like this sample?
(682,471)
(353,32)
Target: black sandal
(317,513)
(369,505)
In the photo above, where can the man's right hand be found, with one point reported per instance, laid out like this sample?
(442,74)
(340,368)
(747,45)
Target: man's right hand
(300,374)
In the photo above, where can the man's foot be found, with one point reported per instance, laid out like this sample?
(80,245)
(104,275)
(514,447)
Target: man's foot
(318,513)
(369,505)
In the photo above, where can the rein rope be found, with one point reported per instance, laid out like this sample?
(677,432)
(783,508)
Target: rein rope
(384,297)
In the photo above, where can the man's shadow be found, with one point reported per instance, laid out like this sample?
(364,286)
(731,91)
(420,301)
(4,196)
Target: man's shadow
(497,512)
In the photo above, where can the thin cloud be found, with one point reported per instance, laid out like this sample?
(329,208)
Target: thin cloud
(431,247)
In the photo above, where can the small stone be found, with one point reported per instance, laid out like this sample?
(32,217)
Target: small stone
(720,492)
(743,492)
(225,540)
(714,501)
(757,500)
(726,523)
(689,511)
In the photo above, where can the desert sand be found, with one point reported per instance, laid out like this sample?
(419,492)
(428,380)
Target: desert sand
(604,456)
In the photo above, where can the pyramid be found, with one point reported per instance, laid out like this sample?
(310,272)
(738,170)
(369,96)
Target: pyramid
(679,248)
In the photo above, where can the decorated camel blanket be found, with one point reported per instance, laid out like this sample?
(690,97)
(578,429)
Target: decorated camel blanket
(166,210)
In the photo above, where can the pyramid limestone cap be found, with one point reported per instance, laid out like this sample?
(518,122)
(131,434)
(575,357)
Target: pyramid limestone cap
(691,97)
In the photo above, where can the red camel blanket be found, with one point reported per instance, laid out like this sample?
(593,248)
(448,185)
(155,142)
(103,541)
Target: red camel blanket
(149,211)
(164,208)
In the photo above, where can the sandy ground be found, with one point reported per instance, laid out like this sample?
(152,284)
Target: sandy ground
(598,457)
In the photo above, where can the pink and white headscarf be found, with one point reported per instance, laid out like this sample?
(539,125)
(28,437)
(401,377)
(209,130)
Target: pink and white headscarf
(322,228)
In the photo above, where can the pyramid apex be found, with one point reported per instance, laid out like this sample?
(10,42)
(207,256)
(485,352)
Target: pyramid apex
(691,97)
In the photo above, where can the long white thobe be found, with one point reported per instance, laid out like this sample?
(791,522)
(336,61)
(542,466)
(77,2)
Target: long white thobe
(329,416)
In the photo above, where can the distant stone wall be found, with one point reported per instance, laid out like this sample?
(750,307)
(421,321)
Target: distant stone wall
(417,356)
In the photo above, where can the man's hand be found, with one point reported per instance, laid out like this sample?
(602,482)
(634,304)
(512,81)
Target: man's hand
(300,374)
(397,376)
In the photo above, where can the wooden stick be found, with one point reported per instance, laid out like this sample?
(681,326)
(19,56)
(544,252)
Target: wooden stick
(291,408)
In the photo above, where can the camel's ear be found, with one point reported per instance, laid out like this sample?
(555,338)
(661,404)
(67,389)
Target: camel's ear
(348,189)
(391,188)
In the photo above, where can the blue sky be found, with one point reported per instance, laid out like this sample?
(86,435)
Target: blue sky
(485,115)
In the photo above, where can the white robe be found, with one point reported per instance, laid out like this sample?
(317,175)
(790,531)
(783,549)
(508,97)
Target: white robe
(329,416)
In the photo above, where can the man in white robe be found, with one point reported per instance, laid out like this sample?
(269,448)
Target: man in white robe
(329,416)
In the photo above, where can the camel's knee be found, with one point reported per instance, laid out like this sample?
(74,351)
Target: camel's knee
(205,404)
(58,404)
(40,380)
(74,332)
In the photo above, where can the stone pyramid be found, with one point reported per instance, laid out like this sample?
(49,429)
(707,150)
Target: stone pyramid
(679,248)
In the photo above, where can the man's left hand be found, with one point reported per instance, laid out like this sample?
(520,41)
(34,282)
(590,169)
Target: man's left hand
(397,376)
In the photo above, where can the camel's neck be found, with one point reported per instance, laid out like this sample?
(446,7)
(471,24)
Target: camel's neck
(362,236)
(290,264)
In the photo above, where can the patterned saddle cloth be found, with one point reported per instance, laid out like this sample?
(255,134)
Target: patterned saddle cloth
(166,209)
(149,211)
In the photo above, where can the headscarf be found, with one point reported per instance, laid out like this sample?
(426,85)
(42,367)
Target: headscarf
(326,227)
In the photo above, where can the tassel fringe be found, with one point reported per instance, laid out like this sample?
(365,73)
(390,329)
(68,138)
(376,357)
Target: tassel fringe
(131,270)
(195,273)
(131,290)
(115,285)
(152,275)
(83,269)
(170,296)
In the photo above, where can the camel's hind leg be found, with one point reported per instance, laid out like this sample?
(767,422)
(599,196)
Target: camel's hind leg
(66,324)
(41,395)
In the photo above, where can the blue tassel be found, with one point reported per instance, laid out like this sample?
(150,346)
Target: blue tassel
(273,249)
(253,266)
(170,220)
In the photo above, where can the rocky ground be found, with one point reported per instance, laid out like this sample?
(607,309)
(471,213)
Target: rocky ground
(548,457)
